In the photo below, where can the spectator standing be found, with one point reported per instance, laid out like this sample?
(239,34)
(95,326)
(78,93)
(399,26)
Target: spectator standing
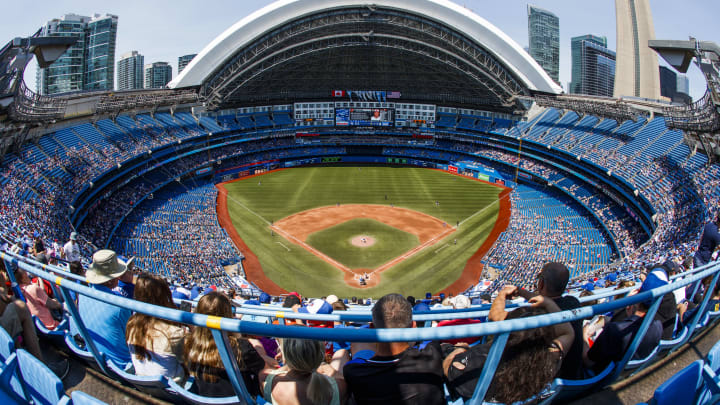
(709,241)
(71,250)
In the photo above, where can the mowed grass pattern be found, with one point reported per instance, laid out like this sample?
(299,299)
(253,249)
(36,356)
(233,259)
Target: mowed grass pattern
(254,202)
(336,242)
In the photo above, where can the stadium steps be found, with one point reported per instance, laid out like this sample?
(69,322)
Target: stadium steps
(54,180)
(580,139)
(579,127)
(631,157)
(108,139)
(42,177)
(125,131)
(562,125)
(91,145)
(548,121)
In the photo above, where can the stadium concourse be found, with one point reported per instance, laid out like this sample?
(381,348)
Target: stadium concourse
(113,257)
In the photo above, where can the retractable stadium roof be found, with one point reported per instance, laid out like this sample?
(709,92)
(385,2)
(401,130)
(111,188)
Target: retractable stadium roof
(428,50)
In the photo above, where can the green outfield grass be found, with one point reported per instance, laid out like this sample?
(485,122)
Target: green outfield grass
(336,242)
(253,203)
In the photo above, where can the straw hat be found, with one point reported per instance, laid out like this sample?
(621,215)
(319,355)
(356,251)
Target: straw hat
(106,266)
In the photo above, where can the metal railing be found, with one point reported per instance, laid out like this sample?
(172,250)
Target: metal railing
(65,282)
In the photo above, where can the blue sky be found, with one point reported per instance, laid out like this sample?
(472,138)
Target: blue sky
(162,30)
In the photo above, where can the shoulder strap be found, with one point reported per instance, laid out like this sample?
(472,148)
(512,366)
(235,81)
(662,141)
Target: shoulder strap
(267,391)
(336,392)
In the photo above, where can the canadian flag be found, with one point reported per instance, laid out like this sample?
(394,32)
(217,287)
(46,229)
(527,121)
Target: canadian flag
(338,93)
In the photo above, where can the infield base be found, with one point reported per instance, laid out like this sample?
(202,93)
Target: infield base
(298,227)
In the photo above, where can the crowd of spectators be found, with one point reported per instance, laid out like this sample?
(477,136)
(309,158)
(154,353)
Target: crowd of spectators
(292,370)
(683,196)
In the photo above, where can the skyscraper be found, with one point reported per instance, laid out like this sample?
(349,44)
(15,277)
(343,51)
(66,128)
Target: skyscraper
(544,40)
(130,71)
(593,66)
(100,52)
(683,84)
(674,86)
(668,82)
(184,61)
(637,64)
(67,73)
(87,65)
(157,75)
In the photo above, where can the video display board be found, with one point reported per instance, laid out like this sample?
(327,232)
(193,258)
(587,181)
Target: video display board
(378,117)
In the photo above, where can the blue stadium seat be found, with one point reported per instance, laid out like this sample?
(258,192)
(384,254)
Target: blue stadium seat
(565,390)
(681,388)
(189,397)
(152,385)
(9,381)
(46,387)
(81,398)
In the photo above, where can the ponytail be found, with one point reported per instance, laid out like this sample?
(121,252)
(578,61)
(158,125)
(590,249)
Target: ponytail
(320,390)
(305,356)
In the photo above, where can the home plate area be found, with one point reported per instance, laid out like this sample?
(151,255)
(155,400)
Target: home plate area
(362,239)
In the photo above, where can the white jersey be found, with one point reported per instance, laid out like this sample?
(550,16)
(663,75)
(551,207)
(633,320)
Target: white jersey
(72,252)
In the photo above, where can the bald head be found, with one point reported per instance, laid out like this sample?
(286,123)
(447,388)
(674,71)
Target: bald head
(555,277)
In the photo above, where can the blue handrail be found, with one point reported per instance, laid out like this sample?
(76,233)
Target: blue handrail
(222,326)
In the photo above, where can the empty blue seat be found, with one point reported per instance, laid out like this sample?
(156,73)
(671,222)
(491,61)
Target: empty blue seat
(681,388)
(46,387)
(9,380)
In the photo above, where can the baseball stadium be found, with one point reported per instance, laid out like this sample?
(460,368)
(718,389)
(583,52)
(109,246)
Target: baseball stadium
(339,181)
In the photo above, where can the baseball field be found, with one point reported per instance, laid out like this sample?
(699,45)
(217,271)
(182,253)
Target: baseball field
(319,230)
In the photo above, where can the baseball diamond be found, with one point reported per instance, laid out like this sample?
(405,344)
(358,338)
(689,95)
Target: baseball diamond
(318,210)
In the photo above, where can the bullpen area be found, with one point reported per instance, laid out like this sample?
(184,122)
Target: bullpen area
(363,231)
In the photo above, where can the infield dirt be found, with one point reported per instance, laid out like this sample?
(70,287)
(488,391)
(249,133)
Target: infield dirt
(276,264)
(429,230)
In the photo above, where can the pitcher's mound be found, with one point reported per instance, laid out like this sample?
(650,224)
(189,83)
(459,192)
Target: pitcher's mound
(362,241)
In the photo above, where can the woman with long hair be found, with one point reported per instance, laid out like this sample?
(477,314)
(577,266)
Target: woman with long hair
(156,345)
(530,360)
(305,379)
(202,358)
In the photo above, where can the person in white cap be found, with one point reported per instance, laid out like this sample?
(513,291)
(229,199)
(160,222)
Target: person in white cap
(71,250)
(106,322)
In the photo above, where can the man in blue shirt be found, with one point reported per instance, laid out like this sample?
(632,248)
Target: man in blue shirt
(708,243)
(105,322)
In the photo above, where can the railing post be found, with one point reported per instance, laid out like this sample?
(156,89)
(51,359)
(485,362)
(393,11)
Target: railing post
(11,276)
(699,312)
(488,372)
(230,362)
(639,335)
(75,314)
